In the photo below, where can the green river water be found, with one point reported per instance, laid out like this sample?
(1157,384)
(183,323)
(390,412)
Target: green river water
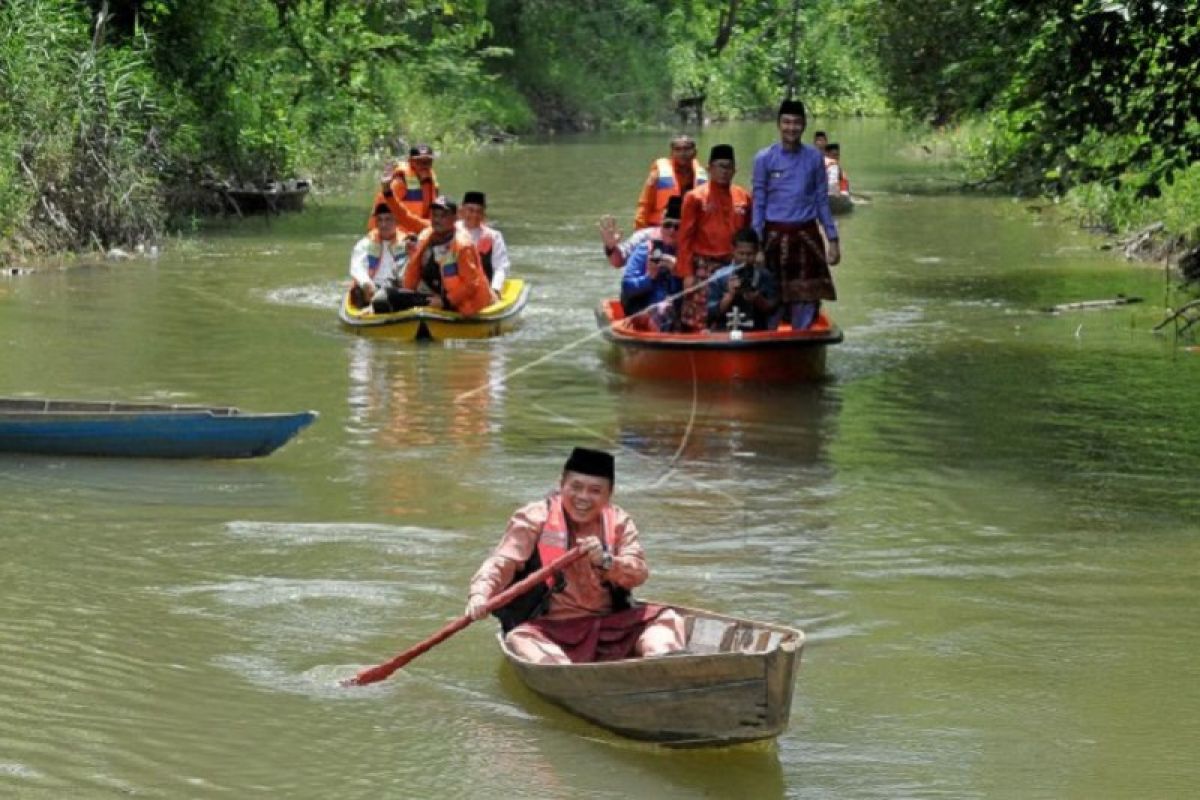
(985,521)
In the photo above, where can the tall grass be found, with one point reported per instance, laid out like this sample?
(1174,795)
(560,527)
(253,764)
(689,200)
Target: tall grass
(79,123)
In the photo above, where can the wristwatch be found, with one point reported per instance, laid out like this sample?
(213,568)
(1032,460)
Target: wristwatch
(606,562)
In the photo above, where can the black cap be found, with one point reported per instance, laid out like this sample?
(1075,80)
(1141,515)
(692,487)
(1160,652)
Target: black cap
(721,152)
(476,198)
(674,208)
(420,151)
(591,462)
(443,202)
(791,107)
(381,208)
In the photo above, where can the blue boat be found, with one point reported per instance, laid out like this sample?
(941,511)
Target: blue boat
(142,430)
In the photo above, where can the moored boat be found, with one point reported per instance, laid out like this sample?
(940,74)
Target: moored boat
(434,323)
(781,355)
(273,197)
(733,683)
(142,430)
(841,202)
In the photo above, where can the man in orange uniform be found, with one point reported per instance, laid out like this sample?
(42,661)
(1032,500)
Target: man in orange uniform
(585,614)
(446,266)
(712,214)
(668,177)
(409,188)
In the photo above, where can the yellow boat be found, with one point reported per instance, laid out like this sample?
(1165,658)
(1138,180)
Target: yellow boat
(435,323)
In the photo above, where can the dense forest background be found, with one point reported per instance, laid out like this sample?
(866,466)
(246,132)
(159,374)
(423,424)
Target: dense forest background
(112,112)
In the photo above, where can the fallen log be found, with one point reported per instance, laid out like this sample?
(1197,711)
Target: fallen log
(1119,300)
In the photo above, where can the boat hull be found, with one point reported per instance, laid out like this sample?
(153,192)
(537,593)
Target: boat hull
(734,685)
(65,428)
(431,323)
(782,356)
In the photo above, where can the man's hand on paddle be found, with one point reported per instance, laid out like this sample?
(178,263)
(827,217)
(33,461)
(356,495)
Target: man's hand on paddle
(595,549)
(476,607)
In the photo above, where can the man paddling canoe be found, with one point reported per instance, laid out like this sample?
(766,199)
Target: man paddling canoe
(586,614)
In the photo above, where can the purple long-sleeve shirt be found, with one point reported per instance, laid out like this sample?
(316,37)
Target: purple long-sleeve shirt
(790,186)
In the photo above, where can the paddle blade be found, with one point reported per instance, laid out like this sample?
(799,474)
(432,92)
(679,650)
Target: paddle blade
(373,674)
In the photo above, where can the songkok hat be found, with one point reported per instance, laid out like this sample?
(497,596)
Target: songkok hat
(591,462)
(674,209)
(475,198)
(382,208)
(443,202)
(791,107)
(420,151)
(721,152)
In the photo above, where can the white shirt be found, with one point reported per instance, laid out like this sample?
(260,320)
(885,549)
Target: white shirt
(500,262)
(391,262)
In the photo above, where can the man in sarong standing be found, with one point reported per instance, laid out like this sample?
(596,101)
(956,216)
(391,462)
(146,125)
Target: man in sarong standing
(586,615)
(790,198)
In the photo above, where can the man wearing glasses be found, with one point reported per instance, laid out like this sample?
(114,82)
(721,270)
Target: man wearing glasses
(669,177)
(712,214)
(649,281)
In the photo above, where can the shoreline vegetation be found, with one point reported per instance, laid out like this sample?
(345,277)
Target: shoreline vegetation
(115,114)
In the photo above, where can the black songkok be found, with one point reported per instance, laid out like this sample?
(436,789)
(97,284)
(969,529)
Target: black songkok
(674,208)
(721,152)
(591,462)
(791,107)
(475,198)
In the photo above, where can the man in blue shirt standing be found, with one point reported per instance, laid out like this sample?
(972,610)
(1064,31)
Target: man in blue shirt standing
(791,196)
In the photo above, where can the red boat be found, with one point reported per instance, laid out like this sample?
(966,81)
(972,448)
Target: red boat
(718,356)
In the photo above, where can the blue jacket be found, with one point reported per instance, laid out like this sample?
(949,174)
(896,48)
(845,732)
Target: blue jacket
(641,286)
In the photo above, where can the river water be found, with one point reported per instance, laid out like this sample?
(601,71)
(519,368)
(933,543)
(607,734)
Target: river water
(984,521)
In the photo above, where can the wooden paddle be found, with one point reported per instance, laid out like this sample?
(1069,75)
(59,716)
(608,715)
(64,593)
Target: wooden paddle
(385,670)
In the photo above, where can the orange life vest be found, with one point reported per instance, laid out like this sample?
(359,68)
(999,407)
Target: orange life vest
(484,246)
(553,543)
(464,283)
(667,187)
(414,197)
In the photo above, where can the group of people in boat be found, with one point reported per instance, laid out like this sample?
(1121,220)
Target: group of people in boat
(423,249)
(835,174)
(710,255)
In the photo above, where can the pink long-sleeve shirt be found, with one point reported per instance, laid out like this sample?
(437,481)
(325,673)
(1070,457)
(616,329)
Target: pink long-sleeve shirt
(586,592)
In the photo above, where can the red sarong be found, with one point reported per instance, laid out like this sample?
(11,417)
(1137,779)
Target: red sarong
(795,254)
(606,638)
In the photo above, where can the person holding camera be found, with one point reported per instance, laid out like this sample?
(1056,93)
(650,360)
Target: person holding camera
(649,282)
(743,292)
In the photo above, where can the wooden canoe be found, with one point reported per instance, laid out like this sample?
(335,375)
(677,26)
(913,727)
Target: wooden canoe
(142,430)
(271,198)
(782,355)
(432,323)
(732,684)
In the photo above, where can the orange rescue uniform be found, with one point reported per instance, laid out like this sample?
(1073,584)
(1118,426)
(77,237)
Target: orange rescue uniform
(410,199)
(464,283)
(665,181)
